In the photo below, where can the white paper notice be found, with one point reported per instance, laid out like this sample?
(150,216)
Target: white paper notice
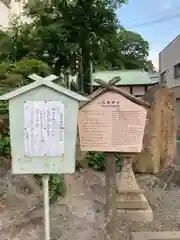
(43,128)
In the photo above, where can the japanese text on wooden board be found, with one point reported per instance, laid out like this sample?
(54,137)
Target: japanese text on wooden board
(112,125)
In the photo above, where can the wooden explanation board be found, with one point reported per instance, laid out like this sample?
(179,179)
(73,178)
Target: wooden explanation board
(111,123)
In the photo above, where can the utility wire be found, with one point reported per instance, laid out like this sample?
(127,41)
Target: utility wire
(158,14)
(160,20)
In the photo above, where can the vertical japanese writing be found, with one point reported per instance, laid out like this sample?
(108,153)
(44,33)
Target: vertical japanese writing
(112,123)
(44,128)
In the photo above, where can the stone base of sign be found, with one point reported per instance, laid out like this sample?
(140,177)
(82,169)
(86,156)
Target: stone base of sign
(136,215)
(156,236)
(131,202)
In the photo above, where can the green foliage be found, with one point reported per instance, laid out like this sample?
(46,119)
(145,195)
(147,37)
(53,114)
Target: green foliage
(69,34)
(149,67)
(134,49)
(56,186)
(96,160)
(5,46)
(4,68)
(26,67)
(62,32)
(4,108)
(4,145)
(13,75)
(126,50)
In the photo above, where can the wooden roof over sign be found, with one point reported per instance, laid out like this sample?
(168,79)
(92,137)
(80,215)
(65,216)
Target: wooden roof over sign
(110,87)
(40,81)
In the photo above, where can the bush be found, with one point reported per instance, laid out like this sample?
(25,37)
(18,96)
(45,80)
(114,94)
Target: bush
(16,74)
(96,160)
(56,186)
(4,145)
(4,68)
(26,67)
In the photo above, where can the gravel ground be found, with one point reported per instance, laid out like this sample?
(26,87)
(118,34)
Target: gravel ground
(80,215)
(165,206)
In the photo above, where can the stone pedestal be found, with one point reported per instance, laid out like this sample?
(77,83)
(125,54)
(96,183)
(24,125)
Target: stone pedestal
(131,202)
(156,235)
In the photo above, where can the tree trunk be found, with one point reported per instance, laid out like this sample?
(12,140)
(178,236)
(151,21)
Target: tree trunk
(86,69)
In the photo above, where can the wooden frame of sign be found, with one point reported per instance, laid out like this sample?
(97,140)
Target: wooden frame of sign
(112,121)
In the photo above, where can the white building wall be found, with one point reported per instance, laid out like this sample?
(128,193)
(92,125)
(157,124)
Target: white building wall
(4,16)
(138,90)
(15,9)
(168,58)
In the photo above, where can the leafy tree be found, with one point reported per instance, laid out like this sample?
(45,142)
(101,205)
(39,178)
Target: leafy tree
(134,49)
(126,50)
(13,75)
(5,46)
(149,66)
(26,67)
(63,31)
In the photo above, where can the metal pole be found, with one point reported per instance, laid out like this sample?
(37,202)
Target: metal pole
(110,211)
(45,180)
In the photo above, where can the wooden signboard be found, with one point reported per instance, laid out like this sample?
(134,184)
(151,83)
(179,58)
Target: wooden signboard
(43,127)
(112,123)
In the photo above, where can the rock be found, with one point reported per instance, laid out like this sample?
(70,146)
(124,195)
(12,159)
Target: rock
(159,144)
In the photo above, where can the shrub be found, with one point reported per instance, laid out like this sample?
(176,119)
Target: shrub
(4,68)
(4,108)
(96,160)
(4,145)
(16,74)
(26,67)
(56,186)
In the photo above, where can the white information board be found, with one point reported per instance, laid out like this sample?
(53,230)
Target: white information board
(43,128)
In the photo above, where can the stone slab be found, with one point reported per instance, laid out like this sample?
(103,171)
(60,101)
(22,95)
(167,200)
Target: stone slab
(156,235)
(136,215)
(132,201)
(131,204)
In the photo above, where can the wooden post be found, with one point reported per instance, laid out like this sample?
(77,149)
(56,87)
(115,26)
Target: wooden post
(91,76)
(110,211)
(81,75)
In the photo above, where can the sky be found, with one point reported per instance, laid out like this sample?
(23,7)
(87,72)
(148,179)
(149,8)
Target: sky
(158,21)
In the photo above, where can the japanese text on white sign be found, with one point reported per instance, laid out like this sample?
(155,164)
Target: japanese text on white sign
(43,128)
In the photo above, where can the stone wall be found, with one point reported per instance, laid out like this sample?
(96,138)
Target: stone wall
(159,144)
(80,155)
